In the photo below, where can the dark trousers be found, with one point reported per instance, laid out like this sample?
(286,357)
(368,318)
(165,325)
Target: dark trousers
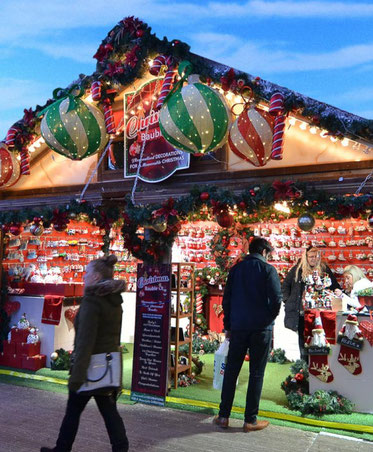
(258,342)
(303,354)
(107,405)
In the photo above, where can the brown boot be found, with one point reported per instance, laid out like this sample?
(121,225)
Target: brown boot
(252,427)
(221,422)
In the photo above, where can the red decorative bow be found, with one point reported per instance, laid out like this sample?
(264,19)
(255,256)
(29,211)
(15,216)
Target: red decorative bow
(29,117)
(102,52)
(131,56)
(228,80)
(167,210)
(283,190)
(114,69)
(132,24)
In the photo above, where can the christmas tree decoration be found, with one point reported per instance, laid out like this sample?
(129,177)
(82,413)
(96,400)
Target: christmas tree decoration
(33,337)
(23,323)
(306,222)
(109,117)
(54,356)
(9,167)
(11,136)
(351,340)
(199,305)
(318,349)
(250,136)
(15,229)
(194,118)
(224,219)
(159,63)
(72,127)
(96,90)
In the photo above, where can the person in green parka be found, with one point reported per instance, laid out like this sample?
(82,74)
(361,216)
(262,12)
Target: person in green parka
(97,330)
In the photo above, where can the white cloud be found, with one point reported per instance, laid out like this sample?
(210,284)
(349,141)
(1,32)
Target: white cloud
(263,57)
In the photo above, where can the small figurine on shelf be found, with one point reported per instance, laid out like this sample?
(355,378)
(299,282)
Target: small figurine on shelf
(23,323)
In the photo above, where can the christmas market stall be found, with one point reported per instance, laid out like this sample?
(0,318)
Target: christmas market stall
(173,162)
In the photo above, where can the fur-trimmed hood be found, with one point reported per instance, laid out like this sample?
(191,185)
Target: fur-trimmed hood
(106,287)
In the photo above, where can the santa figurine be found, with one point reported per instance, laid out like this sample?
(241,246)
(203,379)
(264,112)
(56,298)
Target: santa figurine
(318,338)
(350,329)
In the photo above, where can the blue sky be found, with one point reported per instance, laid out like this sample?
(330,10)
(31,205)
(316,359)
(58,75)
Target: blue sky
(323,49)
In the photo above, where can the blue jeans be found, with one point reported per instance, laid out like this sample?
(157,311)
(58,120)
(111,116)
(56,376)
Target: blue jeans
(107,406)
(258,342)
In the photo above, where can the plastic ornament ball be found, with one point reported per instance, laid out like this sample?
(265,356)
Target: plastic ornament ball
(198,321)
(74,128)
(204,196)
(37,229)
(54,356)
(15,229)
(195,118)
(224,219)
(306,222)
(247,358)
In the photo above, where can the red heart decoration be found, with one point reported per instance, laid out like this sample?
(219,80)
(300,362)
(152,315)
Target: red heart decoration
(70,314)
(366,328)
(10,307)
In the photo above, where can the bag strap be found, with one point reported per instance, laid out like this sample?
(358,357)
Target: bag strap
(108,358)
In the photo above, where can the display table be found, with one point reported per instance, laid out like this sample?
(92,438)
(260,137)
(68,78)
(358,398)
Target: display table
(357,388)
(53,337)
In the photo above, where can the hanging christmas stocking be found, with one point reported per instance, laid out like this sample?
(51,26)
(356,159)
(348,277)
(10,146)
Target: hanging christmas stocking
(351,341)
(318,349)
(319,368)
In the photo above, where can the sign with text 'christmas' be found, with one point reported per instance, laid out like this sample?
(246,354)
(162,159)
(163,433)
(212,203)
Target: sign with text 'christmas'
(152,330)
(143,142)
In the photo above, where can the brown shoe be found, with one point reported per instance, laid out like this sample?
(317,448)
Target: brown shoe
(259,425)
(221,422)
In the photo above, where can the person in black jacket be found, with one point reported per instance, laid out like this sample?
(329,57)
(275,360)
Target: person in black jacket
(251,302)
(293,288)
(97,330)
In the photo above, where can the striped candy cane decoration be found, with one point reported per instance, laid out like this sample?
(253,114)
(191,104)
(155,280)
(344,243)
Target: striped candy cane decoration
(11,136)
(109,117)
(25,161)
(276,108)
(159,61)
(96,90)
(199,304)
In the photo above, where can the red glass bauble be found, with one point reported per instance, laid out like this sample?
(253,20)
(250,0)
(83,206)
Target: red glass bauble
(224,219)
(204,196)
(15,229)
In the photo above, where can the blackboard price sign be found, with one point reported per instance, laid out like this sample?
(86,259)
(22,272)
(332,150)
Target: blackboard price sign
(152,327)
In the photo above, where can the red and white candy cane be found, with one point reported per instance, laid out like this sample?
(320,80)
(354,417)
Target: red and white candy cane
(96,90)
(276,104)
(158,63)
(109,117)
(276,108)
(11,136)
(199,304)
(278,138)
(25,161)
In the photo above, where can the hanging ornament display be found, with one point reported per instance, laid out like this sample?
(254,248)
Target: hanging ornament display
(194,118)
(15,229)
(72,127)
(276,109)
(250,136)
(166,62)
(9,167)
(351,341)
(306,222)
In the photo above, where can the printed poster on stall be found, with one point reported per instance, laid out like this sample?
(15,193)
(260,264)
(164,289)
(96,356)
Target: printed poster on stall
(152,329)
(159,160)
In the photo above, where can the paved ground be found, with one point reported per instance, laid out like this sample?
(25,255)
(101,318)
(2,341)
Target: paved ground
(30,418)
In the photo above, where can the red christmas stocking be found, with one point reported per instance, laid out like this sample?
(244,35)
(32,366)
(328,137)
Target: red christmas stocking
(319,367)
(350,359)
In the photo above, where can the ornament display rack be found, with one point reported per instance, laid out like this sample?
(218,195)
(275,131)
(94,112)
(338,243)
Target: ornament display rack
(182,308)
(342,243)
(126,267)
(51,261)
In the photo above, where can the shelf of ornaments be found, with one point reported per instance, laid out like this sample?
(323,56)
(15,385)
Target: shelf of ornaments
(52,257)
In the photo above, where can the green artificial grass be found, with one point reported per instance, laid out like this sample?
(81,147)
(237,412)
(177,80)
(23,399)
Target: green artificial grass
(273,398)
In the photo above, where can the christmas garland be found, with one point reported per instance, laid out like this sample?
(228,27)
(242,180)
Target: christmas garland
(123,57)
(296,388)
(150,230)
